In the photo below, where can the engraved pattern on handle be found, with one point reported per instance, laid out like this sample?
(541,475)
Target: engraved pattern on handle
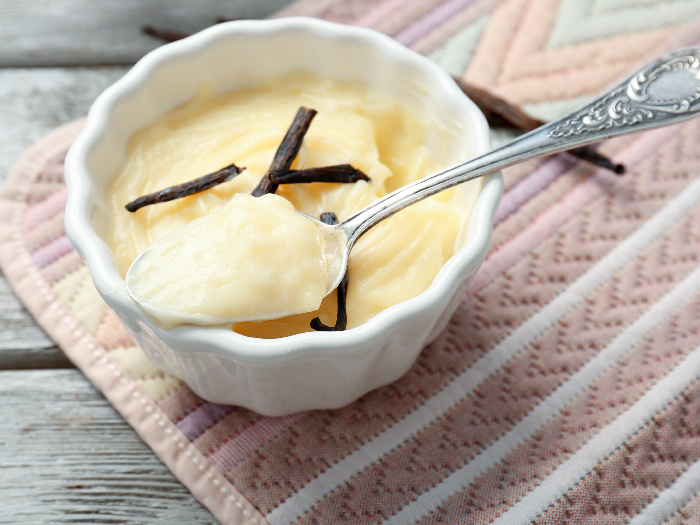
(668,86)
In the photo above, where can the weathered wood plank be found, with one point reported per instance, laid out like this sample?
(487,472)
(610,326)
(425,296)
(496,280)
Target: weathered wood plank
(83,32)
(22,343)
(36,101)
(32,103)
(66,456)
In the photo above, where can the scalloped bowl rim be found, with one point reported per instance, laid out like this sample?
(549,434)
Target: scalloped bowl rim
(223,341)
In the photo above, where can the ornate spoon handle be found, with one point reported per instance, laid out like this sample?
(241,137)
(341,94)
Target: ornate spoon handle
(665,92)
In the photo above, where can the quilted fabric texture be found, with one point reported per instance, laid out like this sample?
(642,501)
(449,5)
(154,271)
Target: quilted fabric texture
(566,388)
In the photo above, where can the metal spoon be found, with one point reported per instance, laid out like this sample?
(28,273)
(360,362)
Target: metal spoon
(665,92)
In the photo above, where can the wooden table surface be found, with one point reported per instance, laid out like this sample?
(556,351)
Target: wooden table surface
(65,454)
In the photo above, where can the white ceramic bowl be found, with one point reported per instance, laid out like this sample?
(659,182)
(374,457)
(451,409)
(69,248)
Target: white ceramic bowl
(309,370)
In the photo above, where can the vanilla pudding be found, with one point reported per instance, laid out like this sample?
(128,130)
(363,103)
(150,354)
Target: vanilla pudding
(392,142)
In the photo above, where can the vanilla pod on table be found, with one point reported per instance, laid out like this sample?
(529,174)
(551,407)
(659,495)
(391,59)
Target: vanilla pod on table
(499,111)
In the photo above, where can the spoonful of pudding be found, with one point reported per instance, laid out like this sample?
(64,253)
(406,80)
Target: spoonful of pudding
(255,258)
(267,261)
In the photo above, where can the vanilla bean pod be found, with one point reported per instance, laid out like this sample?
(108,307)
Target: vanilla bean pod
(164,34)
(495,107)
(287,150)
(186,188)
(341,320)
(172,35)
(343,173)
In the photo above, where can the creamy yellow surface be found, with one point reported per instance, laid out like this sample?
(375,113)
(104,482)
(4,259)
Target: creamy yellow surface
(226,265)
(393,143)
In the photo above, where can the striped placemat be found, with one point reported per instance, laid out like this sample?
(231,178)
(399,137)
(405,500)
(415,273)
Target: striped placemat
(566,388)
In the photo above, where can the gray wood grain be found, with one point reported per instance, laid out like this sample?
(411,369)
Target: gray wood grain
(65,455)
(108,32)
(23,345)
(33,102)
(36,101)
(68,457)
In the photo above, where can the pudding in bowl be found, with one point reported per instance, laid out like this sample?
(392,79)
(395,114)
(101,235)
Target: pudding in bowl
(283,366)
(391,142)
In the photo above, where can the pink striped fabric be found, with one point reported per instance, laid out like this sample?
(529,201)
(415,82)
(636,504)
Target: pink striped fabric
(52,251)
(231,452)
(46,209)
(432,20)
(536,181)
(202,418)
(382,11)
(561,212)
(564,389)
